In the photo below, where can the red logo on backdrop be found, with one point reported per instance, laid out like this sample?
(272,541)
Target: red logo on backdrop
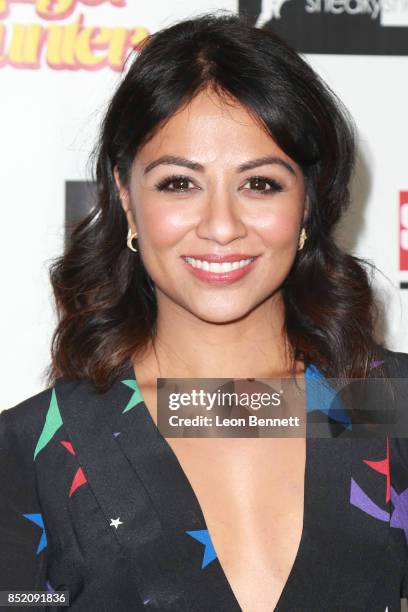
(403,241)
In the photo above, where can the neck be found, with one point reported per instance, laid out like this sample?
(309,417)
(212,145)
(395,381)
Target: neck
(186,346)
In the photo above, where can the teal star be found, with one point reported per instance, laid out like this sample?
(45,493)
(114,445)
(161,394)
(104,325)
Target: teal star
(136,398)
(53,422)
(203,536)
(38,520)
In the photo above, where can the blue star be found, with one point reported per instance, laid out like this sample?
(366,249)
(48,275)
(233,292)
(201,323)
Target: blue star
(38,520)
(320,395)
(203,536)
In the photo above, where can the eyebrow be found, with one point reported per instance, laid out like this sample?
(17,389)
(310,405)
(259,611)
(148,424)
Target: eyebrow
(188,163)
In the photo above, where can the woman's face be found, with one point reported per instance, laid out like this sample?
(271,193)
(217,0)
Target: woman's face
(212,183)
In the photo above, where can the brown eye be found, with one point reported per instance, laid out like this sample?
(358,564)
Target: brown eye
(264,185)
(174,184)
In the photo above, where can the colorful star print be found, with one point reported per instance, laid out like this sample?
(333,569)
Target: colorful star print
(53,422)
(79,478)
(136,398)
(203,536)
(375,364)
(37,518)
(361,500)
(399,517)
(383,467)
(321,396)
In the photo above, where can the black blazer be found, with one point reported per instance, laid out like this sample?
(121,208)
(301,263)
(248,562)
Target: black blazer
(95,502)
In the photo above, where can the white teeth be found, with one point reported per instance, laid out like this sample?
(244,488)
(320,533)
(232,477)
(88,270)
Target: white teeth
(216,266)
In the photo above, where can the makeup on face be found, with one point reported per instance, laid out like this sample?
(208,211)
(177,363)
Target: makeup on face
(219,269)
(218,208)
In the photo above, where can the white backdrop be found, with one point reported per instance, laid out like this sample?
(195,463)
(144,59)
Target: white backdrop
(48,121)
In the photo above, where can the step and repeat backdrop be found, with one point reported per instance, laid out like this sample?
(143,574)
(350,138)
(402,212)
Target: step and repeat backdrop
(59,63)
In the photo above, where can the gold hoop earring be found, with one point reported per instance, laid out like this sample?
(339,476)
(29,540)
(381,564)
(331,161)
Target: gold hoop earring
(130,237)
(302,239)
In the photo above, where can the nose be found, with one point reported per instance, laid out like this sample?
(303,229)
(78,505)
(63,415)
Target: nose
(221,219)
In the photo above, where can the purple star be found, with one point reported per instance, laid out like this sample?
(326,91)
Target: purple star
(361,500)
(399,517)
(374,364)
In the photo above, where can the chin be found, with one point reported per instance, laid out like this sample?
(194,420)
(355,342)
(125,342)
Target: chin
(220,315)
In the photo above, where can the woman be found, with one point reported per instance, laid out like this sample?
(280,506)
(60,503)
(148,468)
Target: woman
(220,145)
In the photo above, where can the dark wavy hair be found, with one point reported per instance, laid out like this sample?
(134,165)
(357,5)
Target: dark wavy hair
(105,298)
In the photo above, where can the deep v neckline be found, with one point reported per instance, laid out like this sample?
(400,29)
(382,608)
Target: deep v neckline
(134,473)
(169,455)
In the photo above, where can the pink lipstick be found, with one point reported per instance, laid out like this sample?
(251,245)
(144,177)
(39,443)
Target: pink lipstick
(220,269)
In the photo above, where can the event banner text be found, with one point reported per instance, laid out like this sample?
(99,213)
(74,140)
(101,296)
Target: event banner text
(58,36)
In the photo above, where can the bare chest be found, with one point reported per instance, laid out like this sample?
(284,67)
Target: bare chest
(251,493)
(252,501)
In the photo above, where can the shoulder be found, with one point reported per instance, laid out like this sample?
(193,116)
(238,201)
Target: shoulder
(29,409)
(25,427)
(28,418)
(35,408)
(397,367)
(21,425)
(396,363)
(45,409)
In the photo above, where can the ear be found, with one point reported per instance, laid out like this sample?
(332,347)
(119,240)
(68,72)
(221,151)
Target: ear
(124,199)
(306,211)
(123,192)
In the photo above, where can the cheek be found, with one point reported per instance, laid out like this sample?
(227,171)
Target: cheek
(161,226)
(279,230)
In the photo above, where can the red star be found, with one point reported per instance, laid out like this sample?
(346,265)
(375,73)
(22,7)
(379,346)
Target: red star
(68,446)
(383,467)
(79,478)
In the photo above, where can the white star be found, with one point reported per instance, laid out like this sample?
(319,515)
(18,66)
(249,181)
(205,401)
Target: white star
(115,522)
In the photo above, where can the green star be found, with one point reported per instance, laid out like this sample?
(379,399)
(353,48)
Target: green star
(53,422)
(136,397)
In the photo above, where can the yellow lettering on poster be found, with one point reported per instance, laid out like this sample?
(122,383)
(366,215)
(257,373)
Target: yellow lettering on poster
(70,46)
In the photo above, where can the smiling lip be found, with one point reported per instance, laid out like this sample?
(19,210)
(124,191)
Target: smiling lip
(213,257)
(220,278)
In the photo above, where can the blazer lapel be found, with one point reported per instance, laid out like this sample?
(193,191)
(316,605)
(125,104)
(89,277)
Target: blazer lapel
(370,510)
(347,518)
(136,478)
